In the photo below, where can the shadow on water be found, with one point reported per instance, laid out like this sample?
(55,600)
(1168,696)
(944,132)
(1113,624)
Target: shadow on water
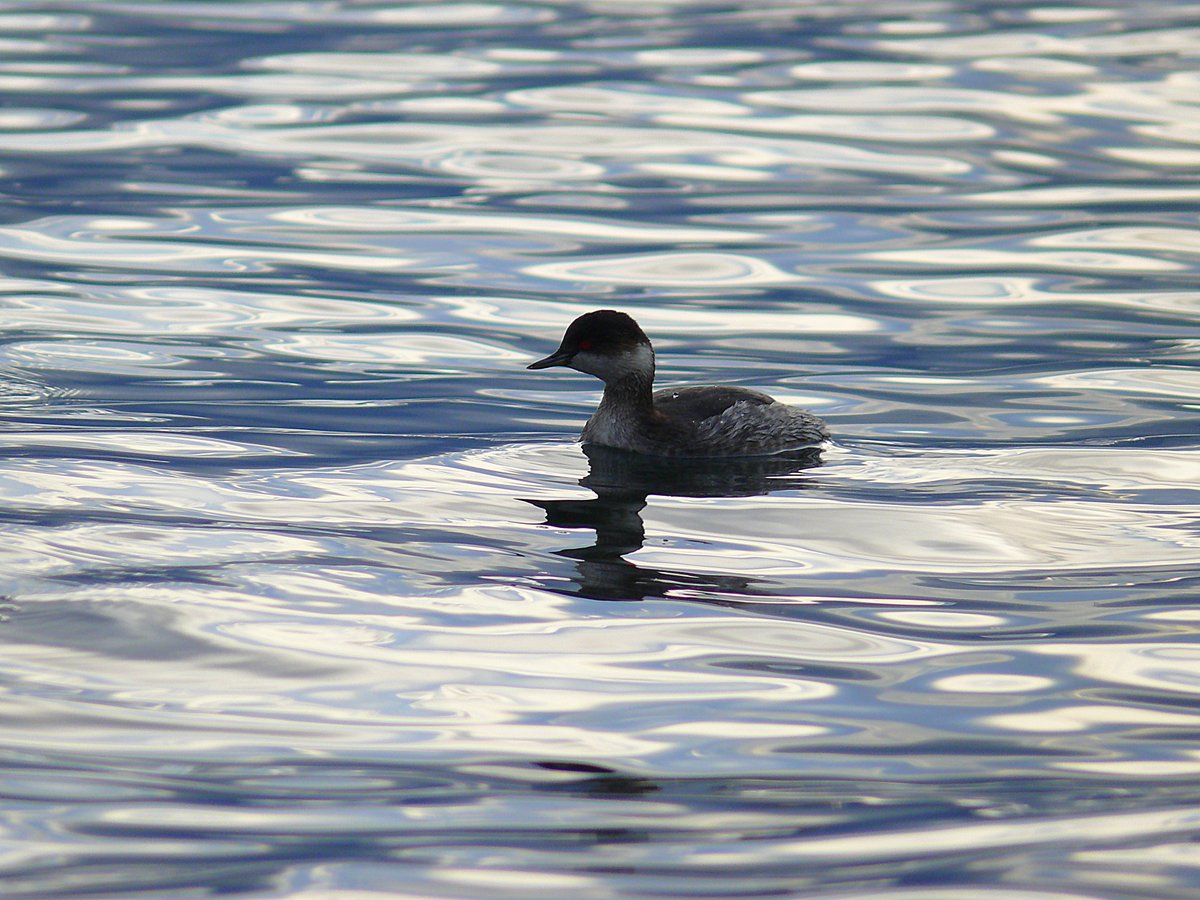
(622,481)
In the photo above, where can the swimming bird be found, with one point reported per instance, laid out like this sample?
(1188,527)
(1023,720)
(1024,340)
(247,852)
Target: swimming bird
(716,420)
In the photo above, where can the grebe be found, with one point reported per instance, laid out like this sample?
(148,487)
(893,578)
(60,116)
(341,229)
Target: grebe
(709,421)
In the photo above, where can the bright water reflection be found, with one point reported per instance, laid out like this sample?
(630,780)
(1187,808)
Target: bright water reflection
(306,589)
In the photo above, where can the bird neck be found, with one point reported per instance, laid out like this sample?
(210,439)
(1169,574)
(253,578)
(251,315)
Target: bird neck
(633,391)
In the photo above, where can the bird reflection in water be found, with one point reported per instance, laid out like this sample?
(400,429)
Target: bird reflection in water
(622,481)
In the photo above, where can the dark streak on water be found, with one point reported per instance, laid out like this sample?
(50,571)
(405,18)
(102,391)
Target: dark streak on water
(308,592)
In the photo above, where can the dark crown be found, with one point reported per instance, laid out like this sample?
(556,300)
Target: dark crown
(605,330)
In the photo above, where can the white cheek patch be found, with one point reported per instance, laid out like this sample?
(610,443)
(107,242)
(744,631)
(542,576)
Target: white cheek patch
(641,358)
(589,363)
(608,366)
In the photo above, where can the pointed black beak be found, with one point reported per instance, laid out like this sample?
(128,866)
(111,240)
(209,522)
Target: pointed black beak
(559,357)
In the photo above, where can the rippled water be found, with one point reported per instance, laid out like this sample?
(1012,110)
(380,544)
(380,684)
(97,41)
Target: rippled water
(307,585)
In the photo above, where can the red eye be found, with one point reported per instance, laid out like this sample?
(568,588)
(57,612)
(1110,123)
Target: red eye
(585,345)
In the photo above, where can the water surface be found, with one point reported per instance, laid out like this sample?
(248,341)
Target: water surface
(308,588)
